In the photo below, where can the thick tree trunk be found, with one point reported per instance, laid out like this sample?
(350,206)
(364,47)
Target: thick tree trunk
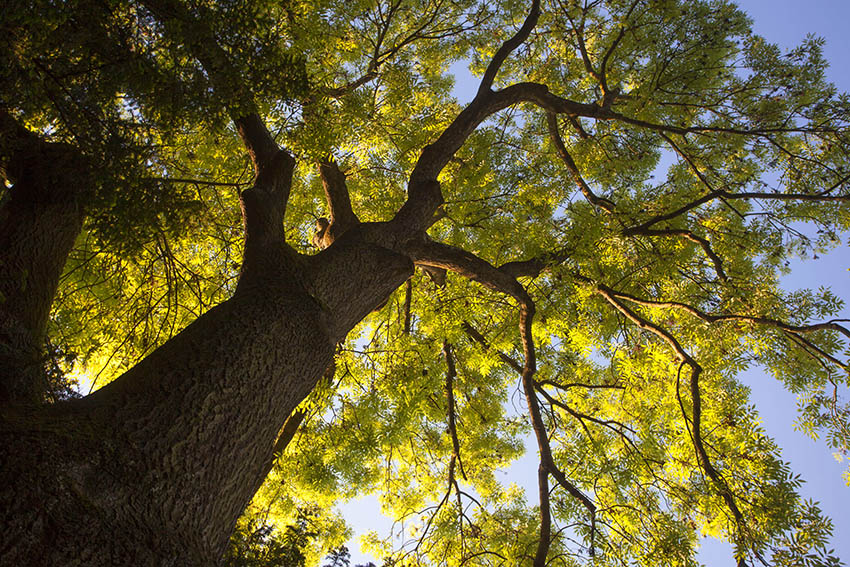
(155,468)
(39,221)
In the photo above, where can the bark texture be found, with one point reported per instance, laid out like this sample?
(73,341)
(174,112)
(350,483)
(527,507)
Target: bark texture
(155,468)
(40,218)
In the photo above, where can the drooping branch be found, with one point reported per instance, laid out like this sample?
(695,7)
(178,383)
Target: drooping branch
(554,133)
(547,462)
(451,374)
(477,269)
(686,359)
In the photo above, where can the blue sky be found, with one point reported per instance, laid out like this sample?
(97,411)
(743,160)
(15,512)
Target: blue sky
(785,22)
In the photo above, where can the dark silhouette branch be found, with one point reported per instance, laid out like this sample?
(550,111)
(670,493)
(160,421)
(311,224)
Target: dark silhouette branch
(686,359)
(688,235)
(451,374)
(508,47)
(547,463)
(832,325)
(565,156)
(408,300)
(476,336)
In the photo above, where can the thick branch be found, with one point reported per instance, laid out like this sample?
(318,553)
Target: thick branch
(39,222)
(430,253)
(342,216)
(532,267)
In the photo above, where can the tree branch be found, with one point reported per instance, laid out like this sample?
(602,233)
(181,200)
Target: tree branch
(451,374)
(600,202)
(430,253)
(547,463)
(338,200)
(225,78)
(712,318)
(687,234)
(476,336)
(696,435)
(508,47)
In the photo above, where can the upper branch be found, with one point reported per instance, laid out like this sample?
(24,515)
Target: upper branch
(424,195)
(600,202)
(508,47)
(711,318)
(337,196)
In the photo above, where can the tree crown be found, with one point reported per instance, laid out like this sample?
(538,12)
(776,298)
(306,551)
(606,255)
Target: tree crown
(614,208)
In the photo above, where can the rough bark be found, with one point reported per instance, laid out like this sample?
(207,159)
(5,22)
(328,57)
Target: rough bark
(40,218)
(155,468)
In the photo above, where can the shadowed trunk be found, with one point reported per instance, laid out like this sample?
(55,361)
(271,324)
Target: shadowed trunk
(40,218)
(155,468)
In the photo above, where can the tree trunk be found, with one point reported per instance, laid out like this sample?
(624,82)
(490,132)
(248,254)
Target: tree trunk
(39,221)
(155,468)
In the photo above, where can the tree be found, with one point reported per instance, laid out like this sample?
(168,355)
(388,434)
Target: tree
(136,134)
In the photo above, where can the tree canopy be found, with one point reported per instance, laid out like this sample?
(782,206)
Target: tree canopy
(598,239)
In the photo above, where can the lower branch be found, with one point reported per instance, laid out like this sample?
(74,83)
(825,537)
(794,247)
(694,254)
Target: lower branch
(686,359)
(451,374)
